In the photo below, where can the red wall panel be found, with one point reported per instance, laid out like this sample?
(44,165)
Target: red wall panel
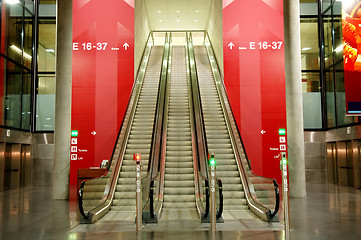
(254,75)
(103,63)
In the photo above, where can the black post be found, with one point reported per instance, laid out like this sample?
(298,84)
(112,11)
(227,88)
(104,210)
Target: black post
(34,65)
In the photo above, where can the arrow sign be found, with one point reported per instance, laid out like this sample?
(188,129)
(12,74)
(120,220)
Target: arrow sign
(231,45)
(125,46)
(93,133)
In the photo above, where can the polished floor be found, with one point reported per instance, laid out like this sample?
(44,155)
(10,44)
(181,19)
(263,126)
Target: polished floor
(328,212)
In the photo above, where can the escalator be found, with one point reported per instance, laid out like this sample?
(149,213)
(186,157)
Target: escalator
(242,190)
(218,139)
(179,190)
(182,187)
(177,114)
(116,190)
(140,135)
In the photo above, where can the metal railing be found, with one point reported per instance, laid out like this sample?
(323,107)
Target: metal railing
(201,141)
(255,206)
(153,204)
(118,153)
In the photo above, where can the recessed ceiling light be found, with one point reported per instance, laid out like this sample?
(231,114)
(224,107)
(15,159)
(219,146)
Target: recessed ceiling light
(178,20)
(159,11)
(339,48)
(196,20)
(161,20)
(178,11)
(197,11)
(12,1)
(306,49)
(20,52)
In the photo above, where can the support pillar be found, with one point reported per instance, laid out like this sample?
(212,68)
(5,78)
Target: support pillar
(63,99)
(295,132)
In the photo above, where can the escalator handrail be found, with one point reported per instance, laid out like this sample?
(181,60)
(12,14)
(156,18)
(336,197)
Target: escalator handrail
(157,158)
(158,120)
(200,128)
(206,212)
(220,192)
(99,211)
(256,207)
(277,192)
(201,141)
(151,199)
(198,177)
(80,202)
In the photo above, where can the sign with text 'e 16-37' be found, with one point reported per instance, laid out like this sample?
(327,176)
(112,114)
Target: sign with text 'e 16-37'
(102,77)
(254,76)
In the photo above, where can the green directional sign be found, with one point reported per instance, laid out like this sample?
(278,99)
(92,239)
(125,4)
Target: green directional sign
(282,131)
(74,133)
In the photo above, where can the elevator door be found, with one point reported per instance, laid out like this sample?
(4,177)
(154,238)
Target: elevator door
(2,166)
(332,163)
(345,163)
(12,166)
(25,167)
(357,162)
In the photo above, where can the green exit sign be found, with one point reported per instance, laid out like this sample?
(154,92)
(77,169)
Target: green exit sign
(74,133)
(282,131)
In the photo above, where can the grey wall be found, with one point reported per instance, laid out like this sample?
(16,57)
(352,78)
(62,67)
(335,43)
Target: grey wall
(344,134)
(43,159)
(315,157)
(316,153)
(215,30)
(141,32)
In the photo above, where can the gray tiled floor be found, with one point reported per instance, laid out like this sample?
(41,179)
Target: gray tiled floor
(328,212)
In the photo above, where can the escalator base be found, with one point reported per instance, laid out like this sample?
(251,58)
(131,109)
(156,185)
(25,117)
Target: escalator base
(147,218)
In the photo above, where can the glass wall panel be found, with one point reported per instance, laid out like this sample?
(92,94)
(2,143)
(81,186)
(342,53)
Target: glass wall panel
(12,26)
(47,8)
(338,38)
(46,53)
(45,98)
(311,96)
(26,100)
(326,4)
(308,7)
(16,63)
(45,116)
(12,98)
(29,5)
(309,44)
(327,40)
(28,40)
(330,99)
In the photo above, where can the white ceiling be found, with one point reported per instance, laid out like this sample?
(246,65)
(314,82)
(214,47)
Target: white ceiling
(178,14)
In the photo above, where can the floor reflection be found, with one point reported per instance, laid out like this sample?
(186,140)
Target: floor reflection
(328,212)
(196,235)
